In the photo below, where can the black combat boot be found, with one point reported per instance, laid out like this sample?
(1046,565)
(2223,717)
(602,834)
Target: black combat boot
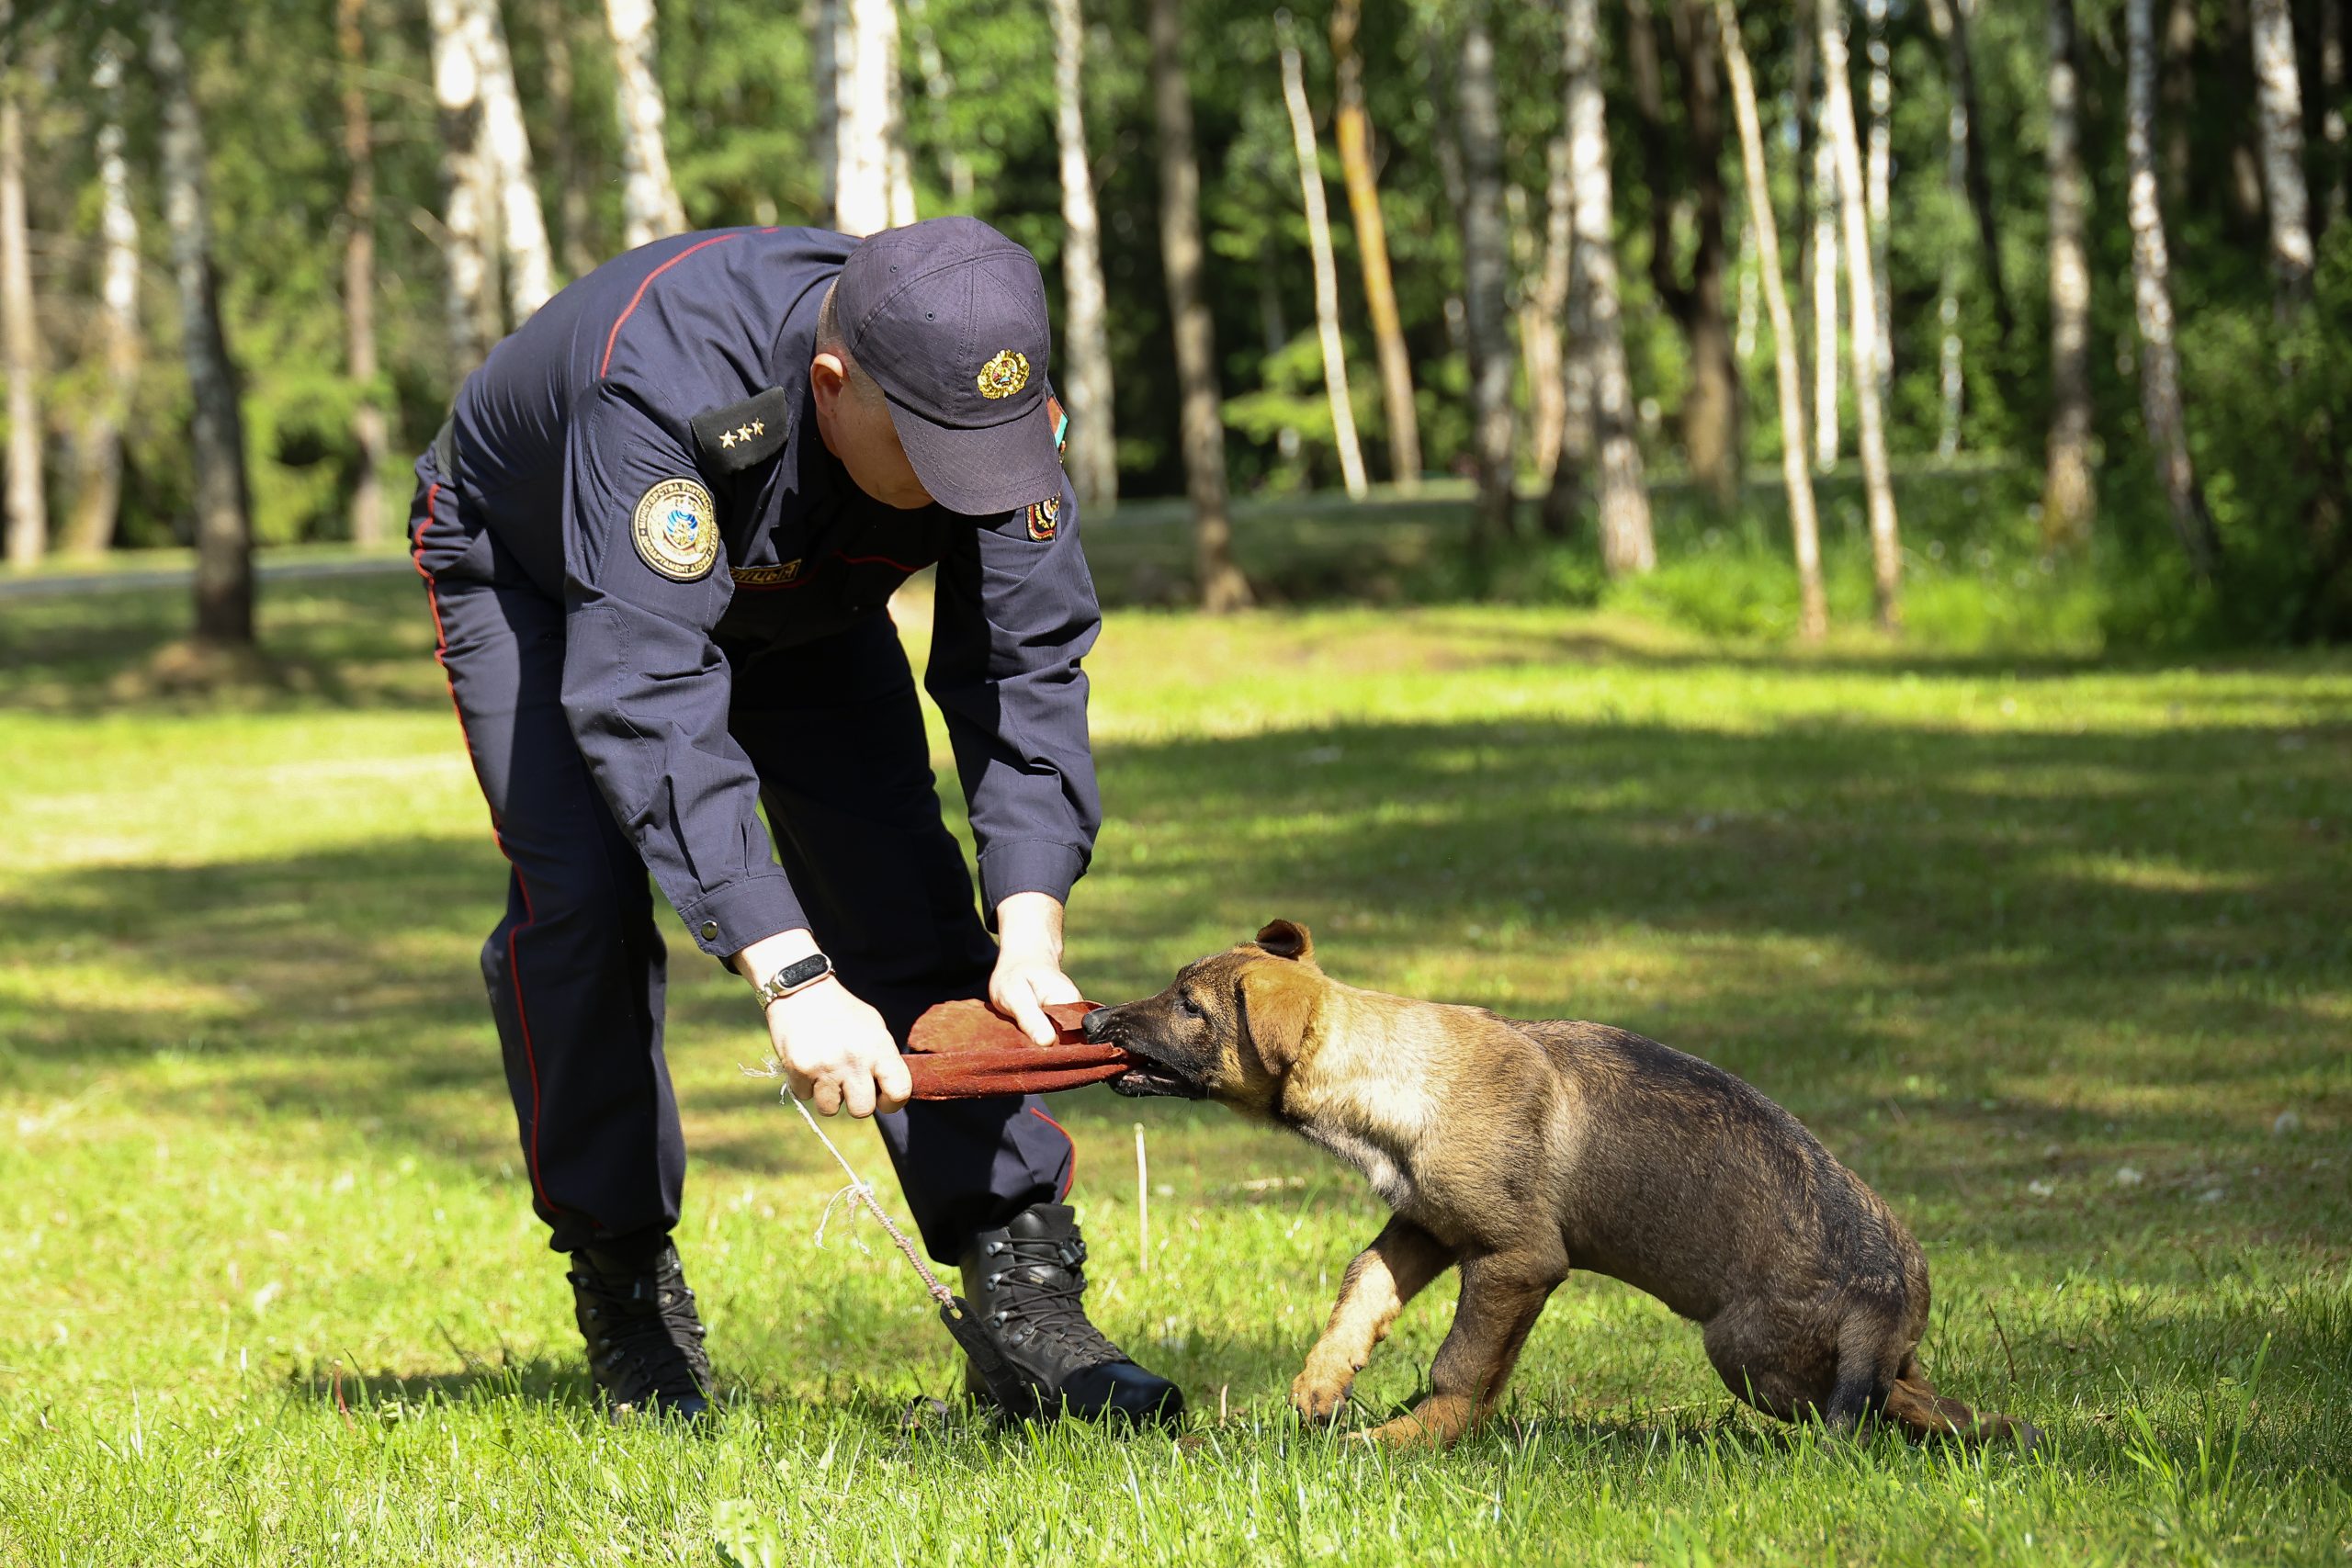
(1023,1283)
(644,1340)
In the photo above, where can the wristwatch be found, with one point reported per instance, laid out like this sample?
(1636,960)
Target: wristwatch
(798,975)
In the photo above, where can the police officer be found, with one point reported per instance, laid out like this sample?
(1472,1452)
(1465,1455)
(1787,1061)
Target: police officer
(660,534)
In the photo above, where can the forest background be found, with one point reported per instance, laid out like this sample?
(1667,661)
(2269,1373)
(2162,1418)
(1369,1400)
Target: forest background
(373,190)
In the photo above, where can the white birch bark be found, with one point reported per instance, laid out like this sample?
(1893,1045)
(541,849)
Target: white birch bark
(2280,94)
(1824,291)
(2160,399)
(224,565)
(1878,179)
(1804,525)
(1626,542)
(1547,381)
(865,71)
(98,495)
(1952,368)
(472,305)
(522,226)
(1092,452)
(1327,272)
(1351,129)
(1870,430)
(28,495)
(1485,270)
(649,205)
(2069,493)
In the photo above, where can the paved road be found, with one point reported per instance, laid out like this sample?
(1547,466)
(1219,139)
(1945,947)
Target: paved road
(49,584)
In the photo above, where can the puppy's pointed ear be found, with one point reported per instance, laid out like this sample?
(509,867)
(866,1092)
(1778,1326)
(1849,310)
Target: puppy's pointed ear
(1277,1003)
(1287,939)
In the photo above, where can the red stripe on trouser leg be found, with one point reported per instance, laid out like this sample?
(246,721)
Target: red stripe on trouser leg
(1071,1180)
(513,965)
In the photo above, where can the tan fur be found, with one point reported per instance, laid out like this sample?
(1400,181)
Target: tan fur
(1516,1150)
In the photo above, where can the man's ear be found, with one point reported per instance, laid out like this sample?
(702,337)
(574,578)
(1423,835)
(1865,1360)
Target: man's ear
(1287,939)
(828,377)
(1277,1006)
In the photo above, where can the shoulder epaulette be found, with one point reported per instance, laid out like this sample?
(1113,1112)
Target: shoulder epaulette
(734,437)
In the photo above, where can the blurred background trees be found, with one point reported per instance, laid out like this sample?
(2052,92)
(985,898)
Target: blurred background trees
(2070,275)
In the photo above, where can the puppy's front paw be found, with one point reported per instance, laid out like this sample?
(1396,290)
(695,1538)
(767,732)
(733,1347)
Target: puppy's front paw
(1317,1394)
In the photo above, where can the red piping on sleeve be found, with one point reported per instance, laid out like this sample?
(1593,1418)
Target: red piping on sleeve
(611,337)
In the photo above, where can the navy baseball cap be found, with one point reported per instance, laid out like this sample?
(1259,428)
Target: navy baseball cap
(948,316)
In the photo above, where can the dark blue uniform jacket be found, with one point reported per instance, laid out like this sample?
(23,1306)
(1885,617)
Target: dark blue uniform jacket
(640,372)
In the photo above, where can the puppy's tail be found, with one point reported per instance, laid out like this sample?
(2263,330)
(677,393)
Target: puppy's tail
(1913,1404)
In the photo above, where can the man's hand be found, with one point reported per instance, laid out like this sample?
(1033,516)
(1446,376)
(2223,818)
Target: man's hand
(1029,963)
(836,1051)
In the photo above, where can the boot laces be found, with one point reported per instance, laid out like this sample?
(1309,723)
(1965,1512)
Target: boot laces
(644,1335)
(1044,1278)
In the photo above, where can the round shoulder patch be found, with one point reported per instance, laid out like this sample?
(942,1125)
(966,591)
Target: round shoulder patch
(676,530)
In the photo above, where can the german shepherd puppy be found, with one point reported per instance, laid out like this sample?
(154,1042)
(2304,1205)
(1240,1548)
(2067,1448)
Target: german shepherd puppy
(1517,1150)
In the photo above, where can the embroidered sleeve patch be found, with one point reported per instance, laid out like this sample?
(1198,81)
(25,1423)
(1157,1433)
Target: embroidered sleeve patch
(1045,516)
(676,530)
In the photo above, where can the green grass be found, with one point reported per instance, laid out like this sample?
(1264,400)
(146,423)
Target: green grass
(2054,953)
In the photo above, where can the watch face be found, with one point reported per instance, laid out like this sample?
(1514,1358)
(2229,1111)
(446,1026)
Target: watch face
(808,969)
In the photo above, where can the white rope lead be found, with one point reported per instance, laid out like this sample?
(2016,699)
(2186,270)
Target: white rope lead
(859,1191)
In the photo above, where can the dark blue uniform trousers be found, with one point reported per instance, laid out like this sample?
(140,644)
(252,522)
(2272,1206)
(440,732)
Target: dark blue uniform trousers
(575,969)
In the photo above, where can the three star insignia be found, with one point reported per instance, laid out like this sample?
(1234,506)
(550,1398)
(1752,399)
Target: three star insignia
(743,433)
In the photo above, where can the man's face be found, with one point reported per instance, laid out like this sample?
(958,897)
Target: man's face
(854,422)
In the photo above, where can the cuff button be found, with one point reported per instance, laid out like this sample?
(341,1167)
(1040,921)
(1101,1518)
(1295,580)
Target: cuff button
(710,930)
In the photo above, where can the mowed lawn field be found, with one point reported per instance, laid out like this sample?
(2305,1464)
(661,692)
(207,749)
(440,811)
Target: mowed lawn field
(2055,954)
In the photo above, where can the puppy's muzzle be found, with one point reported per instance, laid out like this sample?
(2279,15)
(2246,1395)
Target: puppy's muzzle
(1157,1077)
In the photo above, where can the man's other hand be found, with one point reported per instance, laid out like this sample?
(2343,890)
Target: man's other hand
(1029,963)
(837,1053)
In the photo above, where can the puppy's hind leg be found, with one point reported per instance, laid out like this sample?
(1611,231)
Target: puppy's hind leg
(1914,1404)
(1867,1355)
(1385,1275)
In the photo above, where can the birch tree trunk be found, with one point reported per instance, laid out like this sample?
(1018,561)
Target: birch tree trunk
(1352,128)
(367,430)
(1626,545)
(1547,381)
(1327,272)
(865,77)
(473,314)
(1950,19)
(522,226)
(98,495)
(1486,271)
(1886,549)
(224,561)
(1877,177)
(649,205)
(1221,586)
(938,86)
(552,20)
(1825,199)
(2069,493)
(1804,526)
(2331,91)
(27,497)
(2280,93)
(2151,299)
(1093,450)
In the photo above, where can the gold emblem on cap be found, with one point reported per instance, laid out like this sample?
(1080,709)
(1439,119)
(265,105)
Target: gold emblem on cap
(675,529)
(1004,375)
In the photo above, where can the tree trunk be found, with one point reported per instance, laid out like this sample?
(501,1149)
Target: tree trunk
(225,554)
(865,60)
(1711,438)
(1547,366)
(1221,586)
(1486,271)
(1878,174)
(98,495)
(552,20)
(1824,200)
(368,432)
(2179,87)
(938,86)
(2330,91)
(1626,545)
(1804,526)
(2152,300)
(1327,272)
(522,227)
(1886,549)
(28,498)
(1952,363)
(649,205)
(2279,94)
(474,315)
(1352,128)
(2070,494)
(1950,19)
(1093,450)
